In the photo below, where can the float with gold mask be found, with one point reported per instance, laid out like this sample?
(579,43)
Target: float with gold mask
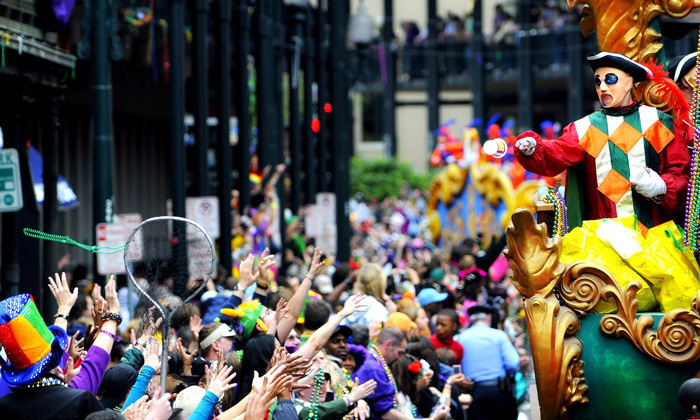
(613,312)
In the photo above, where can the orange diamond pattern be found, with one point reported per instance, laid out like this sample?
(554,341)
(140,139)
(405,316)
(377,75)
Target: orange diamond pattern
(593,141)
(626,136)
(658,136)
(614,186)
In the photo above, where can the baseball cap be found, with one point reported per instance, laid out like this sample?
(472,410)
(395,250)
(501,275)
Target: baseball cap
(116,384)
(323,284)
(430,295)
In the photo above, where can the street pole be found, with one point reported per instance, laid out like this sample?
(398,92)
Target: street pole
(298,18)
(223,106)
(10,220)
(200,10)
(576,92)
(266,86)
(50,207)
(323,36)
(241,51)
(339,11)
(390,81)
(176,39)
(476,69)
(526,85)
(431,64)
(309,136)
(278,42)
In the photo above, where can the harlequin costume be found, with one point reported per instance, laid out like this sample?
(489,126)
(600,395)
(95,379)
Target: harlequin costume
(601,150)
(684,68)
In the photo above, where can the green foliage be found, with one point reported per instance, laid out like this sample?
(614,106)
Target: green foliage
(384,177)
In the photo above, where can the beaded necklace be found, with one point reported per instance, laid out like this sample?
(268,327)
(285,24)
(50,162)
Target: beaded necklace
(692,206)
(561,226)
(315,394)
(44,382)
(378,355)
(414,410)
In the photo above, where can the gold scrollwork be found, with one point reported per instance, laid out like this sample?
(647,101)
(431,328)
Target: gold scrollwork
(557,356)
(556,351)
(533,255)
(677,336)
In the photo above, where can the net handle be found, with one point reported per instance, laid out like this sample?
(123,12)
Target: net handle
(165,334)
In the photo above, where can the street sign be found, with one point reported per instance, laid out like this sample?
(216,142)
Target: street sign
(115,235)
(202,210)
(112,235)
(319,222)
(10,181)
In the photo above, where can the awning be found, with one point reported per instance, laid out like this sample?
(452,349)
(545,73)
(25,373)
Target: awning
(66,197)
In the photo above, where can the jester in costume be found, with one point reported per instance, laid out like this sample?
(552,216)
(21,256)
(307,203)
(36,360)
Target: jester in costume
(622,160)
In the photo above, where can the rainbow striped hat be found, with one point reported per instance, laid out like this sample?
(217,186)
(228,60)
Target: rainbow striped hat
(32,348)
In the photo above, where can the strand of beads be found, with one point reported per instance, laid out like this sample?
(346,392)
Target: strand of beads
(378,355)
(315,394)
(414,411)
(692,206)
(44,382)
(561,226)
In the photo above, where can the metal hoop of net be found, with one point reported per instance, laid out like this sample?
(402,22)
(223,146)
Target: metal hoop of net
(165,254)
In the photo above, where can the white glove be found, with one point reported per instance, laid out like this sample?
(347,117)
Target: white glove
(526,145)
(648,183)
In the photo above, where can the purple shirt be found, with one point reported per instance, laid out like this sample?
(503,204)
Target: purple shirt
(383,398)
(92,370)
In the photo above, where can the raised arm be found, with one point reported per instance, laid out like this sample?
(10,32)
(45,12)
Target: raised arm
(296,303)
(65,299)
(320,336)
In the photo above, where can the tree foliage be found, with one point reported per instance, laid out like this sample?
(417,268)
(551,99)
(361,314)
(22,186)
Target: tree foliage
(384,177)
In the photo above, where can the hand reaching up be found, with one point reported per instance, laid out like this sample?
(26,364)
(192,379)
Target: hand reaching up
(354,304)
(65,299)
(159,406)
(220,382)
(361,391)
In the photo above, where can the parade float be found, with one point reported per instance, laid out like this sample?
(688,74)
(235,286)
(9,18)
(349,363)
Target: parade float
(612,336)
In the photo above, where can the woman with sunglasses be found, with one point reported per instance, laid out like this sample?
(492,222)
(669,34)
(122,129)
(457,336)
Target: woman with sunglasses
(622,160)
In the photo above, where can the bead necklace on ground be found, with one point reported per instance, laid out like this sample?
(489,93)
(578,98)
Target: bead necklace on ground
(378,355)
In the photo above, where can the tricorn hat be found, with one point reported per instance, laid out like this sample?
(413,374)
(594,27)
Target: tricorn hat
(678,67)
(639,72)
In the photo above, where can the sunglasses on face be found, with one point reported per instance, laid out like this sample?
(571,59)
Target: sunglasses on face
(610,79)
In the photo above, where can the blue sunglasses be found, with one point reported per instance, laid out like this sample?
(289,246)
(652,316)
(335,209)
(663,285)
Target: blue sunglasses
(610,79)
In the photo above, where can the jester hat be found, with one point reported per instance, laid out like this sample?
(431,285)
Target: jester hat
(248,314)
(32,348)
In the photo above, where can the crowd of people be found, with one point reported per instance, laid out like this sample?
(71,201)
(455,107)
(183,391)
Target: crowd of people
(401,331)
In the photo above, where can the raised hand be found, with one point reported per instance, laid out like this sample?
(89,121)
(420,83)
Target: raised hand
(354,304)
(111,295)
(281,310)
(91,333)
(151,356)
(247,278)
(137,410)
(266,261)
(65,299)
(526,145)
(187,358)
(316,264)
(195,326)
(361,391)
(159,406)
(219,382)
(259,401)
(76,346)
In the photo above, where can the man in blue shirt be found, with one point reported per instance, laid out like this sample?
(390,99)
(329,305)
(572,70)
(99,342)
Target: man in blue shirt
(489,357)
